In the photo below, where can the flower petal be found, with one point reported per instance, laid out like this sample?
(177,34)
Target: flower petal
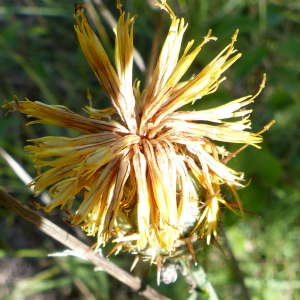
(61,116)
(101,65)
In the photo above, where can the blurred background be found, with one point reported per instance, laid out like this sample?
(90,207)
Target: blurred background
(40,59)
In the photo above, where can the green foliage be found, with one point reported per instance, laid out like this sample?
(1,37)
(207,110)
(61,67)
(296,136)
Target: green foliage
(40,59)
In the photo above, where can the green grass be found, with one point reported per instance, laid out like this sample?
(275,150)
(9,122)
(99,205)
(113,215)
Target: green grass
(40,59)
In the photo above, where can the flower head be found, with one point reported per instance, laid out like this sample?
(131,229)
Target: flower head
(151,174)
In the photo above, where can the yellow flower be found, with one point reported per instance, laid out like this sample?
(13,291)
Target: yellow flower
(146,168)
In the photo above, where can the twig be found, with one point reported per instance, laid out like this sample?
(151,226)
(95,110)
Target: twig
(26,178)
(83,289)
(71,242)
(22,174)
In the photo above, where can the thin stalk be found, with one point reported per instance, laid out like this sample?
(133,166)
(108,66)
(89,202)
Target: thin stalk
(71,242)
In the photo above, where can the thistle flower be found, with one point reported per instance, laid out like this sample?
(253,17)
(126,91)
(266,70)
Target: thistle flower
(151,174)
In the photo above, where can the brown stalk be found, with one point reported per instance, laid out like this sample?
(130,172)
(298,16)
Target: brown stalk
(72,243)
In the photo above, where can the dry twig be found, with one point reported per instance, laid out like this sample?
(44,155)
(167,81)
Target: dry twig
(22,174)
(71,242)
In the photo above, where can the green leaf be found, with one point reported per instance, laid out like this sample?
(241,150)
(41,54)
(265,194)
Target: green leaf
(31,253)
(290,47)
(280,101)
(206,290)
(249,61)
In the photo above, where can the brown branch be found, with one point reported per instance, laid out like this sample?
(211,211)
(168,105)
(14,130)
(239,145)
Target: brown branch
(71,242)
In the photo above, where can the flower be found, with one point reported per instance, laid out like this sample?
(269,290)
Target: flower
(151,174)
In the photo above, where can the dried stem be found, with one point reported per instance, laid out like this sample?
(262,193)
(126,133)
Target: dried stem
(22,174)
(71,242)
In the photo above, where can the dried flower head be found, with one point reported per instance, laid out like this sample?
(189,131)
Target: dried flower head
(151,174)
